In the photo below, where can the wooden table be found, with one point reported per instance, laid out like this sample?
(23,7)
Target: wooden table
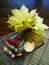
(4,29)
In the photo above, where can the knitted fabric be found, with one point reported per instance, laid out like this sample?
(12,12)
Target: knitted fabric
(40,56)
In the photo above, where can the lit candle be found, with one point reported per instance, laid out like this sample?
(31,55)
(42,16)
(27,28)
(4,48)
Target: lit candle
(28,47)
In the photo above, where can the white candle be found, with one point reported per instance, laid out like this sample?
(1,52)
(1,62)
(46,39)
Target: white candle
(28,47)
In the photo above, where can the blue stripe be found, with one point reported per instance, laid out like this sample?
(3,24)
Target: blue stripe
(18,3)
(14,36)
(45,3)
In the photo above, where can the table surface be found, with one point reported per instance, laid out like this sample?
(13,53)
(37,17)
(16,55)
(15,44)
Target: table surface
(40,56)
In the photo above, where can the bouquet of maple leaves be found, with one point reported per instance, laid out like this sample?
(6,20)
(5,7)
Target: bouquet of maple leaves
(22,20)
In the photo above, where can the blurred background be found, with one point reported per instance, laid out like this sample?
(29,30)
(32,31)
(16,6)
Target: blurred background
(6,5)
(29,3)
(42,7)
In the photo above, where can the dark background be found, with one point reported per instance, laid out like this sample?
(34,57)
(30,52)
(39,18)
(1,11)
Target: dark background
(29,3)
(18,3)
(41,5)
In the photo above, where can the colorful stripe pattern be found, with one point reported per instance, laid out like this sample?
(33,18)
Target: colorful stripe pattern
(14,46)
